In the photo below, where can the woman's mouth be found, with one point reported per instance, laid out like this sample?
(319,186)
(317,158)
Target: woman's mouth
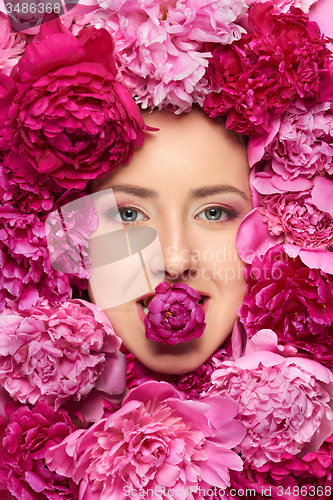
(144,302)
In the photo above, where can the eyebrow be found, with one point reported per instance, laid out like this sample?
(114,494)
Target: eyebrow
(201,192)
(211,190)
(141,192)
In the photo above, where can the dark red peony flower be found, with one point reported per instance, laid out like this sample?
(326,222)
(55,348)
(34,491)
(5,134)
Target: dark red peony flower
(27,437)
(174,314)
(283,56)
(293,300)
(64,110)
(193,384)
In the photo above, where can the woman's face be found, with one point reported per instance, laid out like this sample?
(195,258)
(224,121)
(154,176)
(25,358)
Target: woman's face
(190,182)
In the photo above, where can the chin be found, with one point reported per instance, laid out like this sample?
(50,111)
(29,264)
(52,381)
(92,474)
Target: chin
(128,323)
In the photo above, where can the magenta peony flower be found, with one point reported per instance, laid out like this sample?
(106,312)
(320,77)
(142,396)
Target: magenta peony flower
(160,46)
(284,56)
(11,45)
(307,476)
(64,111)
(285,402)
(26,269)
(21,185)
(26,439)
(174,314)
(295,301)
(58,352)
(299,143)
(155,440)
(297,217)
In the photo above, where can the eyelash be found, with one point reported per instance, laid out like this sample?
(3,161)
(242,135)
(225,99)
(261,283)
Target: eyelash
(231,214)
(113,212)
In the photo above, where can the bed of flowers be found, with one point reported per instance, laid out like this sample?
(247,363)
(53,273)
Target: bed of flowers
(81,419)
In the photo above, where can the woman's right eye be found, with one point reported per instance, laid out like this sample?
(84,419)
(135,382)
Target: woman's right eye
(126,215)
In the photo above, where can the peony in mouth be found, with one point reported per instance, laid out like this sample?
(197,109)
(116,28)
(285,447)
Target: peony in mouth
(174,314)
(144,302)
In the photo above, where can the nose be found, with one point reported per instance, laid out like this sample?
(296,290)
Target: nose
(178,259)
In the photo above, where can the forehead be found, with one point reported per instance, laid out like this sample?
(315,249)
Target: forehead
(189,149)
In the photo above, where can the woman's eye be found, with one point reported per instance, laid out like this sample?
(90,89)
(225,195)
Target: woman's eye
(216,214)
(125,214)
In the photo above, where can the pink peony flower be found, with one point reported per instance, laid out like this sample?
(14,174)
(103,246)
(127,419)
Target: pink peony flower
(26,269)
(263,227)
(11,45)
(60,352)
(285,402)
(295,301)
(64,111)
(298,143)
(174,314)
(284,56)
(321,13)
(296,217)
(26,439)
(68,230)
(155,440)
(160,46)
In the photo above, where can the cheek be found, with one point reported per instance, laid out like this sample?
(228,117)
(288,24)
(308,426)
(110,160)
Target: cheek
(225,268)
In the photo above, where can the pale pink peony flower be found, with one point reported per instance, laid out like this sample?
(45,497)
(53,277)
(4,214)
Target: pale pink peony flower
(299,142)
(155,440)
(296,216)
(160,46)
(11,45)
(58,352)
(285,402)
(284,5)
(296,213)
(321,13)
(68,230)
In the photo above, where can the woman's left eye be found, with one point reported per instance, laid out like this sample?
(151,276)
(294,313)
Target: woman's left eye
(216,214)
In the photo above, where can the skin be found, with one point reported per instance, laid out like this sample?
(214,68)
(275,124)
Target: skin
(197,227)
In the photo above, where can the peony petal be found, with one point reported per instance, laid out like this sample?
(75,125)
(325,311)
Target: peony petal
(253,238)
(322,194)
(113,378)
